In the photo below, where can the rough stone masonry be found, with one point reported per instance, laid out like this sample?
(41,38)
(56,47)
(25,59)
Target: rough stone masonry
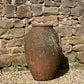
(16,16)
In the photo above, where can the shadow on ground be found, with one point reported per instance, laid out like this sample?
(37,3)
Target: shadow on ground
(64,66)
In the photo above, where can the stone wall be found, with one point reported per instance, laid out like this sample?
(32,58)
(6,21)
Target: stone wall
(16,17)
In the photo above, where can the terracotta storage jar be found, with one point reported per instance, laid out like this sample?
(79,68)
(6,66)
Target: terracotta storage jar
(42,51)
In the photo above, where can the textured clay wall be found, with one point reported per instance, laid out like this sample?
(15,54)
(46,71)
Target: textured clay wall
(16,17)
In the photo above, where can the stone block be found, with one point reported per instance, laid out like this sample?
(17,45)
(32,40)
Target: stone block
(23,11)
(61,17)
(51,11)
(79,47)
(18,50)
(3,51)
(2,10)
(81,57)
(52,3)
(5,1)
(11,43)
(14,33)
(81,20)
(3,31)
(37,20)
(76,40)
(50,20)
(20,1)
(6,23)
(81,3)
(75,11)
(65,40)
(79,31)
(49,3)
(36,1)
(10,10)
(66,22)
(64,31)
(19,59)
(65,11)
(3,43)
(20,42)
(57,4)
(68,3)
(19,23)
(0,1)
(67,48)
(81,11)
(5,60)
(71,56)
(36,9)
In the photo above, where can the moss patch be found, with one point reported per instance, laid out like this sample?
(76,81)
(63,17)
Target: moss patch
(20,68)
(15,68)
(77,65)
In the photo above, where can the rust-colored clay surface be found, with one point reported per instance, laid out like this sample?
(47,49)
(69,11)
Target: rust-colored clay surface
(42,52)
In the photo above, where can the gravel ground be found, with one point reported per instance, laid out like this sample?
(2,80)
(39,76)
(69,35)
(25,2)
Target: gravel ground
(25,77)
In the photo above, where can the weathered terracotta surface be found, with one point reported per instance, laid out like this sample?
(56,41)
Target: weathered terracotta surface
(42,52)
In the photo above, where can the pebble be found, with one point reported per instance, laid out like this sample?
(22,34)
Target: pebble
(25,77)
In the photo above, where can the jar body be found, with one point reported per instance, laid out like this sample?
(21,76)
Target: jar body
(42,52)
